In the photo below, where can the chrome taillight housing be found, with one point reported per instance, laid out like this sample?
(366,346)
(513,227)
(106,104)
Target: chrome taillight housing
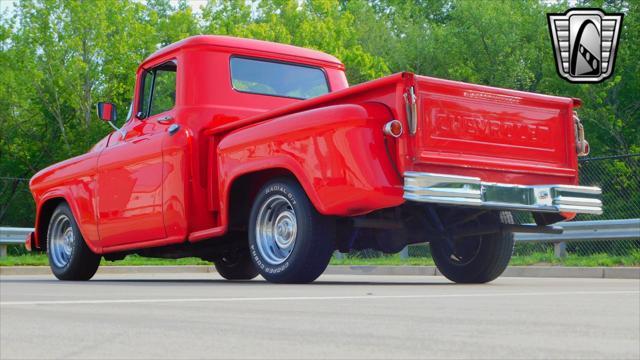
(393,128)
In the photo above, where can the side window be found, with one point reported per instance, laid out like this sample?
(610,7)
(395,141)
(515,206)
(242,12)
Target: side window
(158,90)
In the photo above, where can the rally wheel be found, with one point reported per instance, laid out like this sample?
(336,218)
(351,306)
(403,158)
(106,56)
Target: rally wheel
(289,241)
(69,256)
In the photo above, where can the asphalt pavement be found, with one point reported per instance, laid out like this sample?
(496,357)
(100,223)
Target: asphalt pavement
(188,316)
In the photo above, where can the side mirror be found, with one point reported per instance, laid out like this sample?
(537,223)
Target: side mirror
(106,111)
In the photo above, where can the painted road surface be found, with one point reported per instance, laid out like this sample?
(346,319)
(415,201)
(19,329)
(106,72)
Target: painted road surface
(169,316)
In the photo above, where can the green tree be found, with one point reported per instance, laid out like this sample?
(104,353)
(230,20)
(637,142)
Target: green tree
(58,57)
(316,24)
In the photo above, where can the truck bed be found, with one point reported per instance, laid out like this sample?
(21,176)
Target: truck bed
(496,134)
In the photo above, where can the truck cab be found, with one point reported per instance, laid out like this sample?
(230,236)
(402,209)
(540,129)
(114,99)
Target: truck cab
(259,157)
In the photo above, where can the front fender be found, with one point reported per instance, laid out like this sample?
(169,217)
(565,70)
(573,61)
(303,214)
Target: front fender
(88,231)
(337,153)
(72,181)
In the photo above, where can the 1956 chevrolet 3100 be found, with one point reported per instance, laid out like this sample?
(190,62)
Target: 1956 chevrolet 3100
(259,157)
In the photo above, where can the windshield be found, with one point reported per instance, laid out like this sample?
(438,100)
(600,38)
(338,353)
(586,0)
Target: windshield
(277,79)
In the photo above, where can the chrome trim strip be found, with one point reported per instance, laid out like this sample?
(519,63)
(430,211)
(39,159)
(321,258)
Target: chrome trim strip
(411,109)
(581,189)
(582,145)
(471,191)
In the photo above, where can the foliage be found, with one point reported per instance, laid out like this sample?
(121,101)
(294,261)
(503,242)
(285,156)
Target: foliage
(59,57)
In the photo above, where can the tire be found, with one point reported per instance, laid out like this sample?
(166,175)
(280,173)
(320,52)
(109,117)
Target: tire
(240,267)
(293,243)
(487,256)
(69,256)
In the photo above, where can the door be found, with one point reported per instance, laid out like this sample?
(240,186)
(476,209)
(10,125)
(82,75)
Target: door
(130,169)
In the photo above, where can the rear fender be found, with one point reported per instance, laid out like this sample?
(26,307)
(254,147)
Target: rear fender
(337,154)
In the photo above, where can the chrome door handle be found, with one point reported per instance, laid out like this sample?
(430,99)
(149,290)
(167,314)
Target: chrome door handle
(173,129)
(165,119)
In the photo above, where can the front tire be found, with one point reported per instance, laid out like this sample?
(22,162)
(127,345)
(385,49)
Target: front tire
(289,241)
(477,259)
(238,266)
(69,256)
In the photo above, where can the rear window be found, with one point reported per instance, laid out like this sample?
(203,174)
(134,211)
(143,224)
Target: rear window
(277,79)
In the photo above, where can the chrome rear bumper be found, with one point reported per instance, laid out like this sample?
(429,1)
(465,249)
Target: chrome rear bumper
(471,191)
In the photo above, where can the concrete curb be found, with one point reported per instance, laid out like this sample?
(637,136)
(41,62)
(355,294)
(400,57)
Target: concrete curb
(177,269)
(381,270)
(512,271)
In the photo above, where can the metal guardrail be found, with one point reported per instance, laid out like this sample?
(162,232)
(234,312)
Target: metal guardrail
(599,230)
(627,229)
(12,236)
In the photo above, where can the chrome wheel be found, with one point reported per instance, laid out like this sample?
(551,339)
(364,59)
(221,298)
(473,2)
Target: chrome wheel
(61,241)
(276,229)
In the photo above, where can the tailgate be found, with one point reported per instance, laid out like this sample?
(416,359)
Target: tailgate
(468,126)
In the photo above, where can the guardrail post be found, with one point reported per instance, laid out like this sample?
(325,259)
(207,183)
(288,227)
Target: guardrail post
(560,249)
(404,253)
(3,251)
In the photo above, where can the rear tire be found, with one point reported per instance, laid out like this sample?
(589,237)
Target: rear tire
(483,258)
(238,267)
(289,241)
(69,256)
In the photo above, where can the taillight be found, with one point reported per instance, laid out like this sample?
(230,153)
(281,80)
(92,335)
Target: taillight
(393,128)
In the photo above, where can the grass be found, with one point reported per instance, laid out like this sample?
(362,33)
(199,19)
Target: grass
(392,260)
(131,260)
(540,258)
(633,259)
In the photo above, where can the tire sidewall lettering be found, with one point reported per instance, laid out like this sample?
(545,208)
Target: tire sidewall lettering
(276,188)
(269,269)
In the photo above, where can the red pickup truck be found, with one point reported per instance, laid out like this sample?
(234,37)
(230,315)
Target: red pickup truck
(259,157)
